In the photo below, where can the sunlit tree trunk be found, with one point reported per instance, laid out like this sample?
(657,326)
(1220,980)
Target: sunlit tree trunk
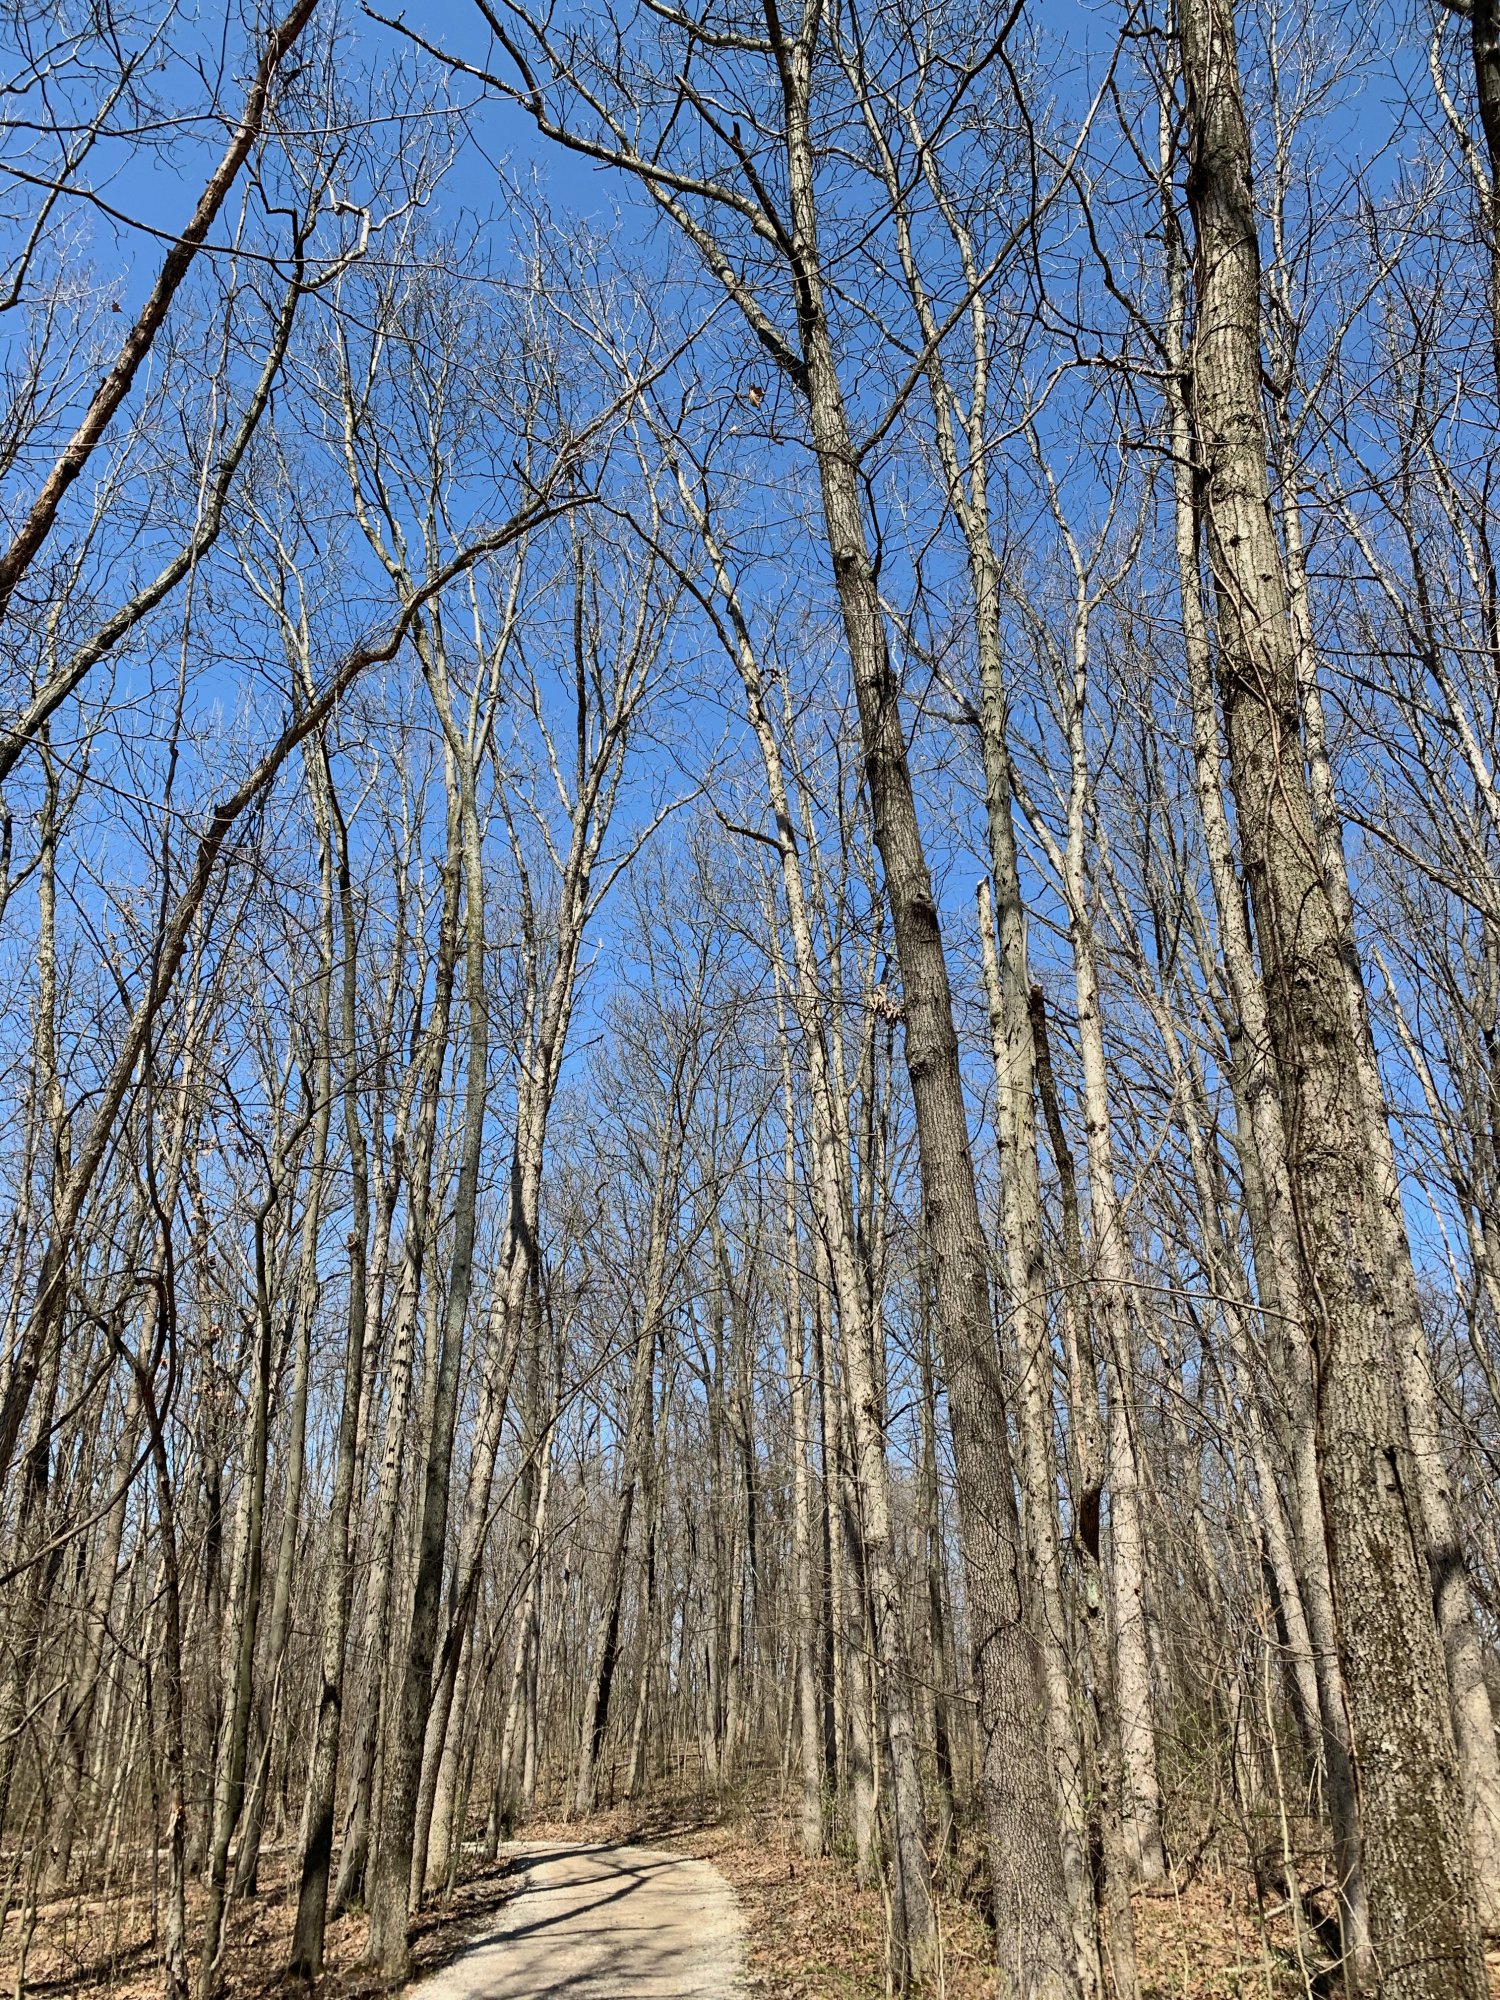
(1417,1872)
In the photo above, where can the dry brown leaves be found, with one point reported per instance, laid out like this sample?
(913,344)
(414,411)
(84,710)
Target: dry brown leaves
(89,1948)
(812,1933)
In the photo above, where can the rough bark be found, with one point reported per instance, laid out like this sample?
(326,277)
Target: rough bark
(1422,1916)
(1469,1696)
(1261,1130)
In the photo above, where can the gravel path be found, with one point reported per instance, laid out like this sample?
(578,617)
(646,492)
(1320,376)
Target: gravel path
(603,1923)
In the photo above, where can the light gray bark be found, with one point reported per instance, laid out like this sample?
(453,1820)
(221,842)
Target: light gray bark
(1417,1873)
(804,1607)
(1256,1089)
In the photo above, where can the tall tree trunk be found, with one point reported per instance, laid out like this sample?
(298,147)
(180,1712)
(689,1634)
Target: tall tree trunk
(963,439)
(390,1902)
(550,1008)
(320,1084)
(606,1648)
(383,1557)
(1013,1052)
(835,1238)
(1469,1695)
(38,1568)
(1256,1089)
(244,1622)
(514,1738)
(635,1770)
(1417,1872)
(338,1582)
(1119,1850)
(1035,1929)
(936,1568)
(174,1935)
(355,1853)
(1020,1793)
(804,1602)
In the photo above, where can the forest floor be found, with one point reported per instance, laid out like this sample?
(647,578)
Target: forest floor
(809,1931)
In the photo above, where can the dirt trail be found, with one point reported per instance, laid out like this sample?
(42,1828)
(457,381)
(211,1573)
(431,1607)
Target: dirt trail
(603,1923)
